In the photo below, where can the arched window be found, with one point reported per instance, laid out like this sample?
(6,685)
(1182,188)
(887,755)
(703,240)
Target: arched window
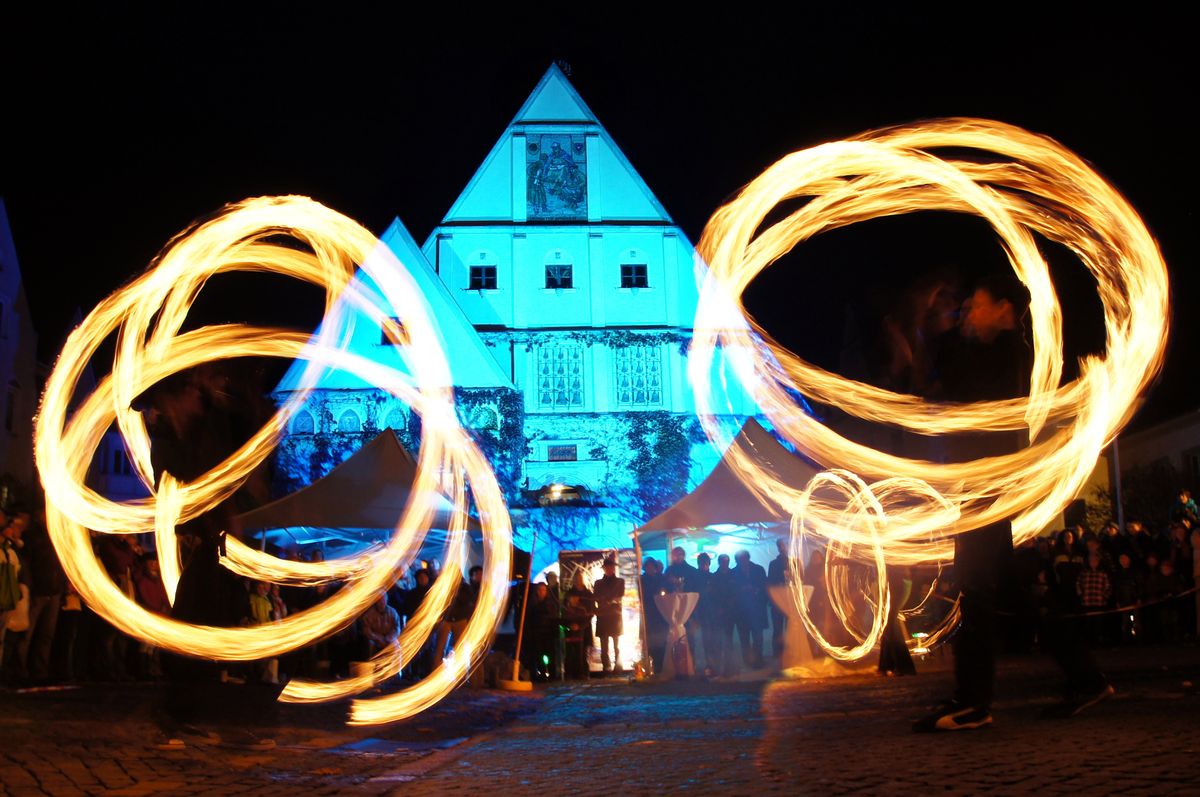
(560,377)
(484,418)
(349,422)
(397,419)
(638,376)
(303,423)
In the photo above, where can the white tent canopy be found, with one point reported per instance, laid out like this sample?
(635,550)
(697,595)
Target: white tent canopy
(722,506)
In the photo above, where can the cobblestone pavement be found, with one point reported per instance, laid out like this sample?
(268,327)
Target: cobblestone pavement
(846,735)
(101,739)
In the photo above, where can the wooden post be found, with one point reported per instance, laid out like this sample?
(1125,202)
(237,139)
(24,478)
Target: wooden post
(516,684)
(524,609)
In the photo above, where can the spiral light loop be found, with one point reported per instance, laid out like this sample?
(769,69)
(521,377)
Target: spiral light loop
(146,317)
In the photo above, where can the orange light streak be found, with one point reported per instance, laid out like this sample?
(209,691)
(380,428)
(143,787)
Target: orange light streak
(146,317)
(1028,186)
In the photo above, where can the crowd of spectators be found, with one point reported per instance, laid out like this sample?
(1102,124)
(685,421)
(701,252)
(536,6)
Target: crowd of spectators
(727,630)
(1135,585)
(49,635)
(1130,586)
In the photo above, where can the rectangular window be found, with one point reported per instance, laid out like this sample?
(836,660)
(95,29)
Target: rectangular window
(562,453)
(559,276)
(633,275)
(483,278)
(638,376)
(384,340)
(560,377)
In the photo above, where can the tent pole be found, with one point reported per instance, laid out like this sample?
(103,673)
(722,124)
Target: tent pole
(516,684)
(647,660)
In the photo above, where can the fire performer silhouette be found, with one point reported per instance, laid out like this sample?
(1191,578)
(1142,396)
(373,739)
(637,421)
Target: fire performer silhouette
(985,358)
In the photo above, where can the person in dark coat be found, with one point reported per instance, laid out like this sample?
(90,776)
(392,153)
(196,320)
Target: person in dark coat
(198,419)
(721,615)
(749,582)
(609,592)
(894,658)
(778,575)
(457,615)
(707,616)
(542,626)
(49,583)
(987,360)
(418,667)
(579,607)
(681,577)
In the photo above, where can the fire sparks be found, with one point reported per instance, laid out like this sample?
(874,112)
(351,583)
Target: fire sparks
(880,508)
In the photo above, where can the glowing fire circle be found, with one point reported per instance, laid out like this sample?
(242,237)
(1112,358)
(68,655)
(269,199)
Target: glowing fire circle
(1028,184)
(147,316)
(904,516)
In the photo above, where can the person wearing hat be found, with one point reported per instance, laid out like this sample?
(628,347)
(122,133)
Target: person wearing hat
(609,592)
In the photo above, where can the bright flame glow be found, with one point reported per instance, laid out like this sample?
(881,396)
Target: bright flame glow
(146,316)
(879,508)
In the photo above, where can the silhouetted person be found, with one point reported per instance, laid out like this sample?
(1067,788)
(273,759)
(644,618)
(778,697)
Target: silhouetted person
(894,658)
(707,614)
(721,590)
(778,575)
(609,593)
(987,360)
(579,607)
(750,607)
(542,627)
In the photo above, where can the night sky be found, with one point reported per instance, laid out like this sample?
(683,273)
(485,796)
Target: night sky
(122,124)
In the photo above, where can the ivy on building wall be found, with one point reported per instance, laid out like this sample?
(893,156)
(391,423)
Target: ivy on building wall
(612,338)
(502,443)
(661,445)
(648,455)
(562,527)
(301,459)
(636,463)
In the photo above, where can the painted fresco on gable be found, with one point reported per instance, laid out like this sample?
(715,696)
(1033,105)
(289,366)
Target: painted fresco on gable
(556,176)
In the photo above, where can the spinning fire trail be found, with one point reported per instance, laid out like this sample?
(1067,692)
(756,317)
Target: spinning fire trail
(901,517)
(1029,184)
(150,349)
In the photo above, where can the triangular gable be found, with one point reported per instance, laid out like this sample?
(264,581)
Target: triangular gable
(471,366)
(554,100)
(498,192)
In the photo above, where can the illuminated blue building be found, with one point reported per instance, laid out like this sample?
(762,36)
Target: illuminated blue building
(565,295)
